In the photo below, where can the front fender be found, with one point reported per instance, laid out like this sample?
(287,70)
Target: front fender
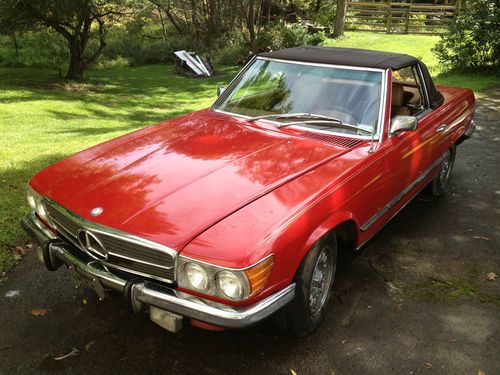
(316,232)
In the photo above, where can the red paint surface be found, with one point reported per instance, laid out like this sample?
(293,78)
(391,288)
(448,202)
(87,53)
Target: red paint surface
(229,192)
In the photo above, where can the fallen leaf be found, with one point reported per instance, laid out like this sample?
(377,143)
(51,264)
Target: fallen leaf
(39,312)
(22,251)
(480,372)
(481,238)
(343,341)
(12,293)
(84,301)
(452,340)
(428,365)
(492,276)
(293,372)
(89,345)
(72,353)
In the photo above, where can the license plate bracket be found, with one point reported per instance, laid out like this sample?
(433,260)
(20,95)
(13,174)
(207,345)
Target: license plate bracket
(92,283)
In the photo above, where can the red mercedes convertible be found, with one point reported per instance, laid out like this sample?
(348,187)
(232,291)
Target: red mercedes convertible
(226,216)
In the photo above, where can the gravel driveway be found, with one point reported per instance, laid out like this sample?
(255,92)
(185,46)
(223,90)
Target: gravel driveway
(417,301)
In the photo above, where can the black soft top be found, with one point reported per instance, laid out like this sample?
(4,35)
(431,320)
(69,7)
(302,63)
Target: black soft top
(358,57)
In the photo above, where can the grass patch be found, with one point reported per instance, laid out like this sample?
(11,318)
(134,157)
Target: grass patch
(419,46)
(43,119)
(433,290)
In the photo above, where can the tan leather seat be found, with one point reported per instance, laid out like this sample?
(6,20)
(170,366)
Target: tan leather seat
(397,108)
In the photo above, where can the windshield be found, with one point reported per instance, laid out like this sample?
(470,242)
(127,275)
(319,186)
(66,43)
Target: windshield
(271,87)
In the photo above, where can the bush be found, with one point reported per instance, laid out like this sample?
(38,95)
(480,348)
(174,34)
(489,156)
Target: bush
(280,35)
(473,41)
(233,54)
(44,49)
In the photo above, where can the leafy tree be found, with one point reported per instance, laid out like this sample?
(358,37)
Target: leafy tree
(78,21)
(473,40)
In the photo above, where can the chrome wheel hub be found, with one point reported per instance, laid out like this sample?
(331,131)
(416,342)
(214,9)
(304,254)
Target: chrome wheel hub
(321,281)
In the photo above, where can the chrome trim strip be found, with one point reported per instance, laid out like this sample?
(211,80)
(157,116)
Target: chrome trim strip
(424,86)
(383,95)
(135,272)
(395,213)
(226,268)
(139,261)
(398,197)
(297,62)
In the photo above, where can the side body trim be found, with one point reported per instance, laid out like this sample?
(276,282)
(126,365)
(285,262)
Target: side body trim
(398,197)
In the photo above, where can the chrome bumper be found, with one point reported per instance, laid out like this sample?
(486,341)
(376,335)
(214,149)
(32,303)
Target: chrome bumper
(142,293)
(468,133)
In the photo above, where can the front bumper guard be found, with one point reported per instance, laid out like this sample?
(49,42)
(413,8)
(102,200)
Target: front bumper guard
(141,293)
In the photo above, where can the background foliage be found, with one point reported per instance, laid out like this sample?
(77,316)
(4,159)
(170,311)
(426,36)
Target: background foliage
(473,41)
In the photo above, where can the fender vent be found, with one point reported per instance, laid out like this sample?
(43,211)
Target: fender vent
(331,139)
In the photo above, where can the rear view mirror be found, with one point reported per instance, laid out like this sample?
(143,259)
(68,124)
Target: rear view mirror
(401,124)
(220,90)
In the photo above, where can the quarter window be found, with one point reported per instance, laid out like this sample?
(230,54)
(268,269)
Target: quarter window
(408,96)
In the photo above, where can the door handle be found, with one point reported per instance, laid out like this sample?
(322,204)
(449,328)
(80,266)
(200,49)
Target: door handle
(442,128)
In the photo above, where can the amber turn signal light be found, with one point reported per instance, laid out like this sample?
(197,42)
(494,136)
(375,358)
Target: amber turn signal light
(257,276)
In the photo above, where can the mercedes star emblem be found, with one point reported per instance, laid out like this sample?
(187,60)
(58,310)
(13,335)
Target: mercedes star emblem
(96,211)
(91,244)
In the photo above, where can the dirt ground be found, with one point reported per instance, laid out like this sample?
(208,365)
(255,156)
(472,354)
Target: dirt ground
(417,301)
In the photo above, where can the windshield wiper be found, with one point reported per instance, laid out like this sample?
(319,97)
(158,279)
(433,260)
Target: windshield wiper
(310,118)
(292,115)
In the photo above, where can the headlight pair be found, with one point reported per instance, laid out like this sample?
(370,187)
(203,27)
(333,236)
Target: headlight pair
(36,203)
(223,282)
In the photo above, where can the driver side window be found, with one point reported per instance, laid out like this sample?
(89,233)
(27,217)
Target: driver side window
(407,92)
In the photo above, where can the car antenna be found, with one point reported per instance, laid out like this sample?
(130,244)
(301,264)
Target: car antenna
(370,151)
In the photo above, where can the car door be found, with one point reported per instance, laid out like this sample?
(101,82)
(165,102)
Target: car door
(409,154)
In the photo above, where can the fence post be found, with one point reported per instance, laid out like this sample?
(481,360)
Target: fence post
(389,17)
(407,18)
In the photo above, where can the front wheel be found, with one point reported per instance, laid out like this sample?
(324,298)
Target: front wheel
(440,182)
(314,280)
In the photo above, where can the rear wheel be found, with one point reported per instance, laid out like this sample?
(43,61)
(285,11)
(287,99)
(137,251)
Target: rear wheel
(314,280)
(440,182)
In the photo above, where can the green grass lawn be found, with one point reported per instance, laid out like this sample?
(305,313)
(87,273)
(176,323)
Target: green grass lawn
(43,119)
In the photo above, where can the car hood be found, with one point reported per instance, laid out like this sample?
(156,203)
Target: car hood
(170,182)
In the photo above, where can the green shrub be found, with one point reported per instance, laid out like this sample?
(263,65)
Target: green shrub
(232,54)
(43,49)
(472,42)
(118,62)
(280,35)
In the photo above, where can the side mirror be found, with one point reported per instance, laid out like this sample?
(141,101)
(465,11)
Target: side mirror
(401,124)
(220,90)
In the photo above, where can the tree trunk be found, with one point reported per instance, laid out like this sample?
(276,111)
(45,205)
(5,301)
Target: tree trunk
(14,39)
(76,64)
(338,31)
(317,6)
(251,22)
(266,10)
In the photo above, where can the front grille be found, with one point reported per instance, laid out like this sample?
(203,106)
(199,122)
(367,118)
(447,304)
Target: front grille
(125,252)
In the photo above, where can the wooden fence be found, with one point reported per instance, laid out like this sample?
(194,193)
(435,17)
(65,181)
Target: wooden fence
(400,18)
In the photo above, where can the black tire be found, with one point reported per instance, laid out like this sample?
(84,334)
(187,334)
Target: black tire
(440,182)
(301,316)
